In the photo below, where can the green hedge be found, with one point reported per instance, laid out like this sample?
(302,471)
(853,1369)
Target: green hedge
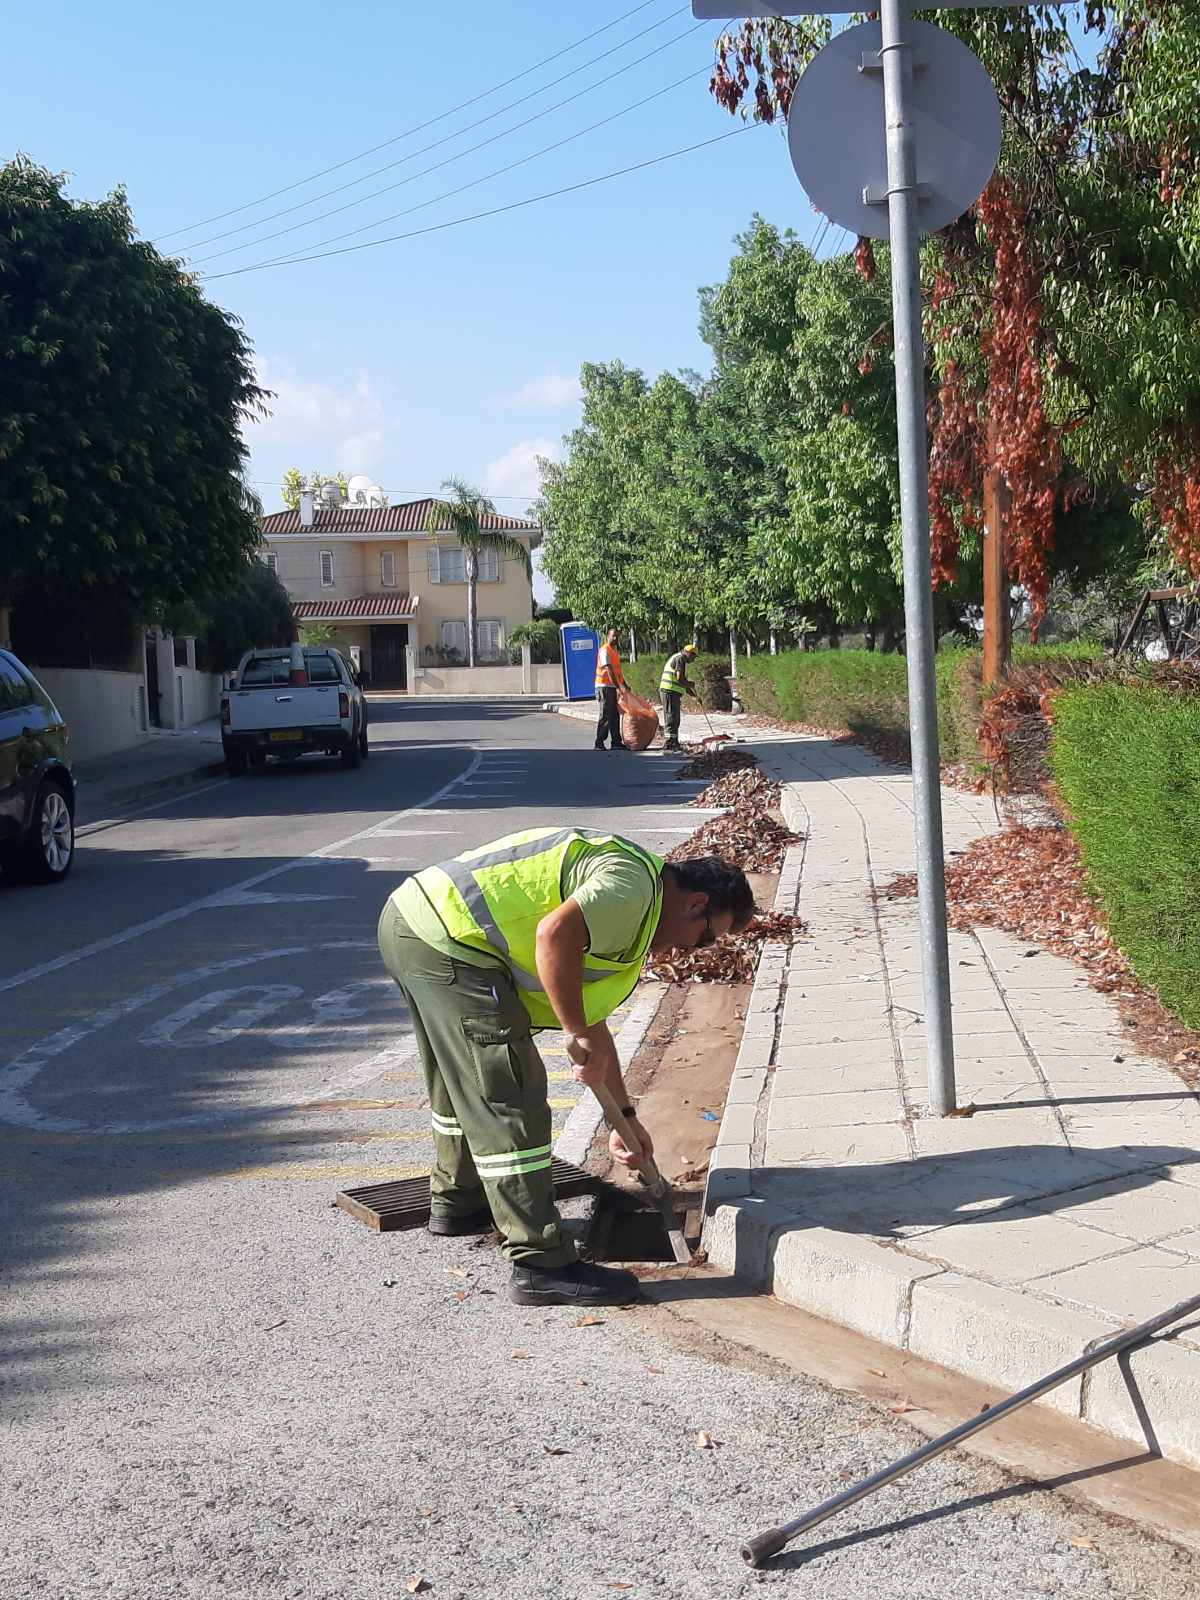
(1127,763)
(862,690)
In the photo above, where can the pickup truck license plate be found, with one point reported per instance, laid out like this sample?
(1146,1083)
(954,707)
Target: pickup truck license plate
(287,736)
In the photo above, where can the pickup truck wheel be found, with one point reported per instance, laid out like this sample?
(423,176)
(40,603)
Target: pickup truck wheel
(236,763)
(258,763)
(364,749)
(352,756)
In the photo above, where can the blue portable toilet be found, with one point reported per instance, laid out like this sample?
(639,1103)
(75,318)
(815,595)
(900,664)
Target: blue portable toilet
(580,647)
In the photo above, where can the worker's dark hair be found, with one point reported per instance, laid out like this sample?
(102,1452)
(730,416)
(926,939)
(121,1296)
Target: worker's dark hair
(724,884)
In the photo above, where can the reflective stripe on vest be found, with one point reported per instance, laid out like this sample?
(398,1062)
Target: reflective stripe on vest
(672,677)
(608,667)
(493,899)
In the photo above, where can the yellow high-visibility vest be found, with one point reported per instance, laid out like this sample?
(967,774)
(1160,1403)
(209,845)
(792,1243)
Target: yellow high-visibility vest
(673,674)
(493,899)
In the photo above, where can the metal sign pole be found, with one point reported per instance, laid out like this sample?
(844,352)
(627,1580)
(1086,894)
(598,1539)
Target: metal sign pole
(903,206)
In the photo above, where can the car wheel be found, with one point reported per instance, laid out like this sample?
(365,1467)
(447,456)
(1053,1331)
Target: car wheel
(236,763)
(48,851)
(352,755)
(364,749)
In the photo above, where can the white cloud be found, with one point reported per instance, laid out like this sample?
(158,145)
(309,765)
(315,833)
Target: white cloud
(551,392)
(321,423)
(515,473)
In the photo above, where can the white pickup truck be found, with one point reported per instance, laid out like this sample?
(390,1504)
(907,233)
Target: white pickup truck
(264,712)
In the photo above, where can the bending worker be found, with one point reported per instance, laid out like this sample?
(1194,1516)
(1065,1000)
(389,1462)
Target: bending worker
(673,685)
(609,678)
(544,929)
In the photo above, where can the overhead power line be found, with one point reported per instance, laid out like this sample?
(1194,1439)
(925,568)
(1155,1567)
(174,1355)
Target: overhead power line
(479,216)
(449,194)
(448,138)
(430,122)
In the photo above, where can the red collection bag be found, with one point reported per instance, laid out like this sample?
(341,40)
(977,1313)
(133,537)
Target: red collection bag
(639,720)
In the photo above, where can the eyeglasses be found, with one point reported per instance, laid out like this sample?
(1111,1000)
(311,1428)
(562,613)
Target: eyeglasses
(708,936)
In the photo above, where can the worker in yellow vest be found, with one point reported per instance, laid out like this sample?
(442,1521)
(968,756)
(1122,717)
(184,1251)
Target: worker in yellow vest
(544,929)
(673,685)
(609,679)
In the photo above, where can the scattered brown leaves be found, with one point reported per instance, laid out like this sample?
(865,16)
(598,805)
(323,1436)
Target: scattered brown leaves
(1082,1542)
(555,1450)
(590,1322)
(715,763)
(519,1355)
(705,1441)
(730,960)
(1030,882)
(418,1586)
(742,786)
(902,1408)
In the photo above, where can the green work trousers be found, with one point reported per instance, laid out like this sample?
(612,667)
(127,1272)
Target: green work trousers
(672,705)
(487,1094)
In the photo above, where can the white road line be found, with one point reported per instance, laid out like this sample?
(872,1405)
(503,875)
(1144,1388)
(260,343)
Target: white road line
(115,940)
(117,822)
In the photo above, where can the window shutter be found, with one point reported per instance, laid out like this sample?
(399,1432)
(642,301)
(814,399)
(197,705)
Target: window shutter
(387,569)
(432,557)
(327,569)
(489,566)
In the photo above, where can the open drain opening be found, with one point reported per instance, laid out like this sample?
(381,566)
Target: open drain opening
(626,1230)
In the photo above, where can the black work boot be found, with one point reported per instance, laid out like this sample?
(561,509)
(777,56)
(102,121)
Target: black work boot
(456,1227)
(579,1283)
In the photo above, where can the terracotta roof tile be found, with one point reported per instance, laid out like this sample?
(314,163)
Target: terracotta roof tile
(365,608)
(407,518)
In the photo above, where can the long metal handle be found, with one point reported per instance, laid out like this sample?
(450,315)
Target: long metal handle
(765,1545)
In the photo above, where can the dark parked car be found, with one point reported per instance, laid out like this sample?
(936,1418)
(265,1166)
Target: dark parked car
(37,791)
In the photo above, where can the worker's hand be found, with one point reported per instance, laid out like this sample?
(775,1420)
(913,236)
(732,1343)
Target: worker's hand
(620,1151)
(593,1058)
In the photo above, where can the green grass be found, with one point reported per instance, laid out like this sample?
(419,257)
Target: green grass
(1127,764)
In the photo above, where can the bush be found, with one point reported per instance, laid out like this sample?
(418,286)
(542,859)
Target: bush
(708,673)
(543,638)
(1126,758)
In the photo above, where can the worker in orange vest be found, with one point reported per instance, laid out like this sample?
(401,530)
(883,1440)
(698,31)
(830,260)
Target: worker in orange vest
(608,680)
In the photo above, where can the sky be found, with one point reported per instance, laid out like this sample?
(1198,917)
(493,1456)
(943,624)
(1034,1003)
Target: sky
(456,352)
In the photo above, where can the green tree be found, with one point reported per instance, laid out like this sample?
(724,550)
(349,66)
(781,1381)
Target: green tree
(294,481)
(463,512)
(121,407)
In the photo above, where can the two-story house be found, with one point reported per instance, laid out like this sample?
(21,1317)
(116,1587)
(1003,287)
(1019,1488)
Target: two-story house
(378,581)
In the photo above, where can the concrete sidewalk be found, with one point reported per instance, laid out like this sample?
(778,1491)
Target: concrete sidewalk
(999,1244)
(162,762)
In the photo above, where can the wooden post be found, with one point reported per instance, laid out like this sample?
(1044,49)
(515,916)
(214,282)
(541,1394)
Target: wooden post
(997,609)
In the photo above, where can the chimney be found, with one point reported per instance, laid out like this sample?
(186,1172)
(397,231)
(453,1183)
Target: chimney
(306,508)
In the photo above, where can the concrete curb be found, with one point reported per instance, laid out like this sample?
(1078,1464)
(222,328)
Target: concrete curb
(1005,1334)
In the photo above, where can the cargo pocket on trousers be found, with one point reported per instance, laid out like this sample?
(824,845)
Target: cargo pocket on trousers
(495,1050)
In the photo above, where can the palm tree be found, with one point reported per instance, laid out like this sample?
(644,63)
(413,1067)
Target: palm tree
(463,513)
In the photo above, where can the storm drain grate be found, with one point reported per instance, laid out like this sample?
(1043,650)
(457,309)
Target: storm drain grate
(405,1204)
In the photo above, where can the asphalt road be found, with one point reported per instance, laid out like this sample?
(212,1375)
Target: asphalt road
(216,1384)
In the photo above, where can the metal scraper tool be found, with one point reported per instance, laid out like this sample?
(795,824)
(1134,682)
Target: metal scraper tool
(655,1182)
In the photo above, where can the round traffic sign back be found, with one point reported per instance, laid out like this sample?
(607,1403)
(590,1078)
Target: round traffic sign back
(838,140)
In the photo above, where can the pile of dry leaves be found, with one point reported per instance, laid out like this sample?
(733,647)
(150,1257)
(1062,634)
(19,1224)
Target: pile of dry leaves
(1030,881)
(748,834)
(713,763)
(731,960)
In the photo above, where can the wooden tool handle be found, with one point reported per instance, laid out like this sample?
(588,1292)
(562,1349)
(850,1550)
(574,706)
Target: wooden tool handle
(620,1125)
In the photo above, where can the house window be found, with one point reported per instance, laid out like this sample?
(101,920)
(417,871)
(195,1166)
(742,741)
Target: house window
(491,641)
(271,561)
(454,641)
(181,653)
(387,568)
(327,569)
(449,565)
